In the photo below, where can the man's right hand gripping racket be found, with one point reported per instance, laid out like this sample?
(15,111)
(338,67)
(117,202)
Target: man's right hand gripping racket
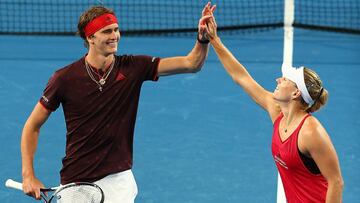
(80,192)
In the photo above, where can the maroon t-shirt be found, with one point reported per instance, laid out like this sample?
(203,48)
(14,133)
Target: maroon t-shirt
(100,124)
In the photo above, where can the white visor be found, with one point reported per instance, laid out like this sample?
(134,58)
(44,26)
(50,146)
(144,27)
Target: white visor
(297,76)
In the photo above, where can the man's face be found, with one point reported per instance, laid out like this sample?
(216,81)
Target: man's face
(105,41)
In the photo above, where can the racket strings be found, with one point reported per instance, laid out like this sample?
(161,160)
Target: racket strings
(79,194)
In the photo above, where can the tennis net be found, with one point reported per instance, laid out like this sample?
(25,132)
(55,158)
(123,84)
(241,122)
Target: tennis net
(153,17)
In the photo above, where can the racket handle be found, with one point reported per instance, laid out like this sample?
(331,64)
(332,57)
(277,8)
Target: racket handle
(13,184)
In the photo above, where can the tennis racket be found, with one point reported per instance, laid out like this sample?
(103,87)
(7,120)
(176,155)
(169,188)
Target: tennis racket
(79,192)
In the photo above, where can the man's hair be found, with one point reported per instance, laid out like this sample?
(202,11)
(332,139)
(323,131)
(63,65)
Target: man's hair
(316,90)
(88,16)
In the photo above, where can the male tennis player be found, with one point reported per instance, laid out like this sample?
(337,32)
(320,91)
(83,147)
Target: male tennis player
(99,94)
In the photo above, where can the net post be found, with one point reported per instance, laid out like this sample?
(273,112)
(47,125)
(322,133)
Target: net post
(288,33)
(287,62)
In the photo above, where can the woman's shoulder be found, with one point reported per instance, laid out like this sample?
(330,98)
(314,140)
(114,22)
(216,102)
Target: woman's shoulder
(311,123)
(312,130)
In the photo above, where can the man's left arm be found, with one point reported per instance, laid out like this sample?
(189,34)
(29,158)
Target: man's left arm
(184,64)
(192,62)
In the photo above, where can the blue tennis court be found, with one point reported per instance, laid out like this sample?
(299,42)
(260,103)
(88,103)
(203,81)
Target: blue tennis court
(198,137)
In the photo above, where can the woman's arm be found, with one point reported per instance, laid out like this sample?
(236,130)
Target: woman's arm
(240,75)
(315,141)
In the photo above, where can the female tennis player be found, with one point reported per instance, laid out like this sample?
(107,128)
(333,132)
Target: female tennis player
(302,150)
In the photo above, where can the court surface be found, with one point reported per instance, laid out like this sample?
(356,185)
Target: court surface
(198,138)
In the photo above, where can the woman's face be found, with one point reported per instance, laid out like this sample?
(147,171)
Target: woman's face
(284,89)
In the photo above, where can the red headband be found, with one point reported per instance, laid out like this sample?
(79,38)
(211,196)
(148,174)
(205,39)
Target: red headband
(98,23)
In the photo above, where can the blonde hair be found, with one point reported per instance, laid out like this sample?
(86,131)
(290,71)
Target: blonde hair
(316,90)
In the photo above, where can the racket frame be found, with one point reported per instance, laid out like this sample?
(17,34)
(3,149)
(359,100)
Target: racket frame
(17,185)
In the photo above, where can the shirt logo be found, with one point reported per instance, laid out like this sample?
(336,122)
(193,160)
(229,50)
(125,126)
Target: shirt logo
(120,76)
(280,161)
(45,99)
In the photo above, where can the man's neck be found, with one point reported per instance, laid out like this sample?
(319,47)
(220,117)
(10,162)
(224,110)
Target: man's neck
(99,61)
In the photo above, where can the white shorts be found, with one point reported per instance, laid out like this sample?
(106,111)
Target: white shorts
(119,187)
